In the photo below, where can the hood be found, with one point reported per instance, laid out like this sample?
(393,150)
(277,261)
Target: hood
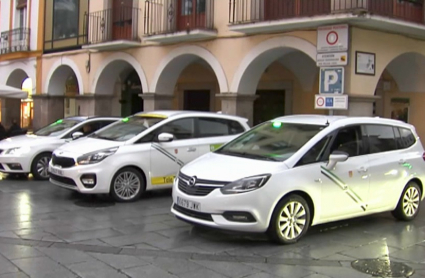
(25,140)
(88,145)
(220,167)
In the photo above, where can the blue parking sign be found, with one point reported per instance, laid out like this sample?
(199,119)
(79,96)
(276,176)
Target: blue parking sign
(331,80)
(329,102)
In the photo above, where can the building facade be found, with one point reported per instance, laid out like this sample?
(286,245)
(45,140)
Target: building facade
(20,57)
(254,58)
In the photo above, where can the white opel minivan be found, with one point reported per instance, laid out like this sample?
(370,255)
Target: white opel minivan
(293,172)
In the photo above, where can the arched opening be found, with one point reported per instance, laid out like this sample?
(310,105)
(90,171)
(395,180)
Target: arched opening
(192,76)
(283,75)
(18,110)
(401,90)
(122,82)
(64,82)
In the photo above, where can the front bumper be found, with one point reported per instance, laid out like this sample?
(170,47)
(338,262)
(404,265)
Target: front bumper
(15,164)
(70,178)
(215,207)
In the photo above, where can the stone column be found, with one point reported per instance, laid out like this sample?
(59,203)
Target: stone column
(10,110)
(154,101)
(238,104)
(47,109)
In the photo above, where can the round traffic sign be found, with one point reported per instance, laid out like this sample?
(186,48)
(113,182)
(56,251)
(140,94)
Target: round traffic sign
(332,37)
(320,101)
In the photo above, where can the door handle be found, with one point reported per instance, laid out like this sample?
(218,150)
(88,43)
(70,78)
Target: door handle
(362,169)
(191,149)
(319,180)
(401,161)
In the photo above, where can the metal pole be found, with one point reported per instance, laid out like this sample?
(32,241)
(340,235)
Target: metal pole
(331,112)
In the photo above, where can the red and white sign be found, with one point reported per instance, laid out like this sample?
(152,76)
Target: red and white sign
(332,38)
(320,102)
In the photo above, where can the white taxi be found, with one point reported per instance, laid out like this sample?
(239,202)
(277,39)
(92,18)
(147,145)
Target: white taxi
(297,171)
(141,152)
(31,153)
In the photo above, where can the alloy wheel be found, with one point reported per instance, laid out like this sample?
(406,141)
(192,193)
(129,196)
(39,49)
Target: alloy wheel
(292,220)
(411,201)
(127,185)
(43,167)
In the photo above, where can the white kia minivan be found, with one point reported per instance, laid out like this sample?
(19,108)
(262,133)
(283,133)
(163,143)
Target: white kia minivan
(290,173)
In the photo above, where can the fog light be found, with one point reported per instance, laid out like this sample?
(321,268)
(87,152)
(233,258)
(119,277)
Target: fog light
(14,166)
(88,180)
(239,216)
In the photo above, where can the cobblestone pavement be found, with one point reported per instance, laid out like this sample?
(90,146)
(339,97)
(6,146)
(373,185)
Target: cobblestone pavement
(47,232)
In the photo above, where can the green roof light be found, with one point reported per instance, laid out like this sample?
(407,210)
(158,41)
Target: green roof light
(59,121)
(125,120)
(277,124)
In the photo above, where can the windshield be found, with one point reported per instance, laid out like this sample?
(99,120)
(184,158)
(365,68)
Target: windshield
(127,128)
(276,141)
(57,128)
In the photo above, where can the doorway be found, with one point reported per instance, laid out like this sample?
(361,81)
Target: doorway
(191,14)
(122,19)
(270,104)
(197,100)
(131,102)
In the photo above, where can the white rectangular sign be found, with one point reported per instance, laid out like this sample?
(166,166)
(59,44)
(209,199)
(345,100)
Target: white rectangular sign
(332,59)
(331,102)
(332,38)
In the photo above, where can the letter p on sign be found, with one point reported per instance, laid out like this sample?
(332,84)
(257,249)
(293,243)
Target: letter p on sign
(332,80)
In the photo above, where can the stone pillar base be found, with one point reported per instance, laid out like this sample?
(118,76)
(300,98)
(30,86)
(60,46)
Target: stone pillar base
(154,101)
(47,109)
(94,105)
(10,110)
(238,104)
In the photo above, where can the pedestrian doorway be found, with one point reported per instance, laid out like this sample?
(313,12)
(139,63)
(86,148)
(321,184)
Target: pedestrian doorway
(269,104)
(131,102)
(197,100)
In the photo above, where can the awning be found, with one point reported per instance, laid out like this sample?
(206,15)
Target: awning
(12,92)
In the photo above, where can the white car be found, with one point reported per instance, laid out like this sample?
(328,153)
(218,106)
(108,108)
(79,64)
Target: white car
(31,153)
(141,152)
(297,171)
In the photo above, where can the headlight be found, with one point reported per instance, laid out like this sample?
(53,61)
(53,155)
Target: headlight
(245,184)
(95,157)
(18,150)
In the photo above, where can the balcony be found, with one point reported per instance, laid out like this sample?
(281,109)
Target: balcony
(170,21)
(15,40)
(113,29)
(255,16)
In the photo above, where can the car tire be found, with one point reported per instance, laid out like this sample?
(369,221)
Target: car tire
(40,166)
(409,203)
(296,211)
(127,185)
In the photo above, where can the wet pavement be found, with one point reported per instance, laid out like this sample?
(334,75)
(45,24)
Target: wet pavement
(47,232)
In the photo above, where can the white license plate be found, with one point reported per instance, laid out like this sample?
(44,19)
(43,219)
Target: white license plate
(56,171)
(188,204)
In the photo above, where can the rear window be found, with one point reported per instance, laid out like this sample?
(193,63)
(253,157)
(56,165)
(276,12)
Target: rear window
(211,127)
(381,138)
(405,138)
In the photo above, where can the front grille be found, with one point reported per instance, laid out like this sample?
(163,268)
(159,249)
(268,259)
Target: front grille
(63,180)
(200,188)
(194,214)
(64,162)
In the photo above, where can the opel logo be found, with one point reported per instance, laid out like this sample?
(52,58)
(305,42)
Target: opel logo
(192,181)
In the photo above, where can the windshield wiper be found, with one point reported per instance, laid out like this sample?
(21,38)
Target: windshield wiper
(248,155)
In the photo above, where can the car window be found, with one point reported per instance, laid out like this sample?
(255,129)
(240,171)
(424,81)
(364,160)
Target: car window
(275,141)
(211,127)
(57,128)
(404,138)
(381,138)
(317,153)
(350,140)
(181,128)
(127,128)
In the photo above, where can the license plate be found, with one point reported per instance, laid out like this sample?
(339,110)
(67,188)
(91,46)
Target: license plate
(188,204)
(56,171)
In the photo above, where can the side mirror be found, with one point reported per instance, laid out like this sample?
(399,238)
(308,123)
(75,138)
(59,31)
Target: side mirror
(77,135)
(165,137)
(335,157)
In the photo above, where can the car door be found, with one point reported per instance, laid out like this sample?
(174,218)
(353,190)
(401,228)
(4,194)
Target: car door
(343,190)
(168,157)
(214,132)
(388,165)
